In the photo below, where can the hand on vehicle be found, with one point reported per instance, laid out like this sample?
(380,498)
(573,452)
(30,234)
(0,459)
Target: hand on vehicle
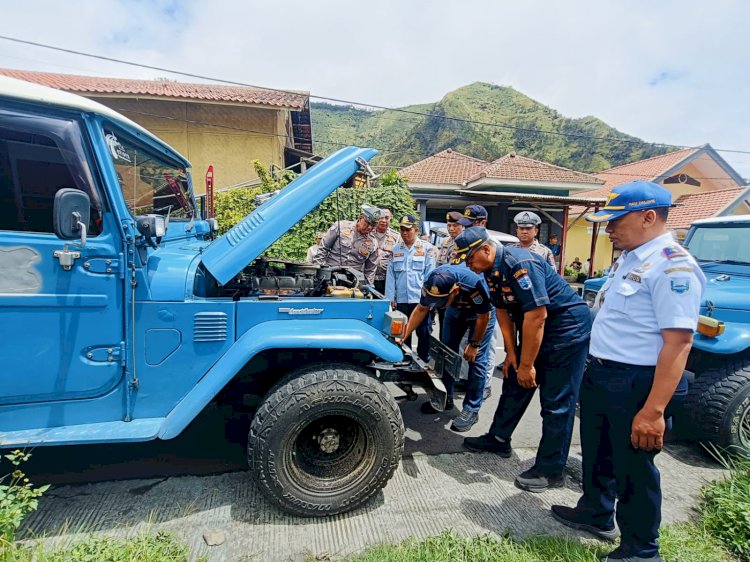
(526,376)
(647,431)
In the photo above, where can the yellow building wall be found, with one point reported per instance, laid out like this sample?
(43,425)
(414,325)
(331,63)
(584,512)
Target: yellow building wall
(578,244)
(228,137)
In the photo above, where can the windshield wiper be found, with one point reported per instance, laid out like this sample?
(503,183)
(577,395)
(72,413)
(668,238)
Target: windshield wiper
(723,262)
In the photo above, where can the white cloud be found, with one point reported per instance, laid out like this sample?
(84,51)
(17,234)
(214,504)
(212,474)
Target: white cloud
(668,71)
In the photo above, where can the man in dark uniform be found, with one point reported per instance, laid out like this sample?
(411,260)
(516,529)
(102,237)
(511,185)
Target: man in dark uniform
(647,311)
(465,297)
(554,325)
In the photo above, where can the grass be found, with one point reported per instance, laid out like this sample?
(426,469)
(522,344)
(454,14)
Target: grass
(146,547)
(725,511)
(680,543)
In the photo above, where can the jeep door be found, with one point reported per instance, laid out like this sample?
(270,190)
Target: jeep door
(61,329)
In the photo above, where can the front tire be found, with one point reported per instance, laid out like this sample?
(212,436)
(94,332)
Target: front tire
(325,441)
(719,404)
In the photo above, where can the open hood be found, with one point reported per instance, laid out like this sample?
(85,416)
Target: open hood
(229,254)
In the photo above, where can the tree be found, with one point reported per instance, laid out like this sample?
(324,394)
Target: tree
(390,191)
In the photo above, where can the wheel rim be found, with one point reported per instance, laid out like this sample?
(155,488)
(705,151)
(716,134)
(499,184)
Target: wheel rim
(744,429)
(330,454)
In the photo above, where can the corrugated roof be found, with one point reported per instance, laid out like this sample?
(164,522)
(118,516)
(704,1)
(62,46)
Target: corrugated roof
(515,167)
(701,205)
(94,85)
(448,166)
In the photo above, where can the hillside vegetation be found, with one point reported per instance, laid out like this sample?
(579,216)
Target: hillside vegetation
(487,122)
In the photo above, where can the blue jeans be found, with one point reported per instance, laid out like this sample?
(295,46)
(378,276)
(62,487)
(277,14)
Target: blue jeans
(611,396)
(558,375)
(455,324)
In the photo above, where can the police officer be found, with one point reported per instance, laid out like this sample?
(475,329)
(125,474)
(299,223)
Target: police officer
(349,243)
(454,228)
(387,238)
(642,334)
(465,295)
(413,260)
(554,325)
(527,231)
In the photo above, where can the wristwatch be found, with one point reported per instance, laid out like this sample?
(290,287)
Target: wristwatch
(474,344)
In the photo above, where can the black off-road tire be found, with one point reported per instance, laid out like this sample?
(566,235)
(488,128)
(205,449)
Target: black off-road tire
(718,404)
(325,441)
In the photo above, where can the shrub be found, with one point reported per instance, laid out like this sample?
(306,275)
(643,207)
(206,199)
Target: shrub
(18,497)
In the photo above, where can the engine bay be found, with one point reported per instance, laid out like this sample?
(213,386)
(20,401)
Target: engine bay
(273,278)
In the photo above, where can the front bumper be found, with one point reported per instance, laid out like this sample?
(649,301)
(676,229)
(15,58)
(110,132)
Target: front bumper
(413,371)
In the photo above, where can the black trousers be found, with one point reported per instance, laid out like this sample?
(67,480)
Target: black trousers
(611,395)
(558,376)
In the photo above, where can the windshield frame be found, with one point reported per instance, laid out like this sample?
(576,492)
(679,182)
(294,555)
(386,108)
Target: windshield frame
(170,178)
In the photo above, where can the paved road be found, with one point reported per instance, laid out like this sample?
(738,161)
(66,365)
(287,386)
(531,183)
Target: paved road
(181,486)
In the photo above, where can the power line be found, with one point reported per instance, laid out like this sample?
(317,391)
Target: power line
(383,152)
(354,103)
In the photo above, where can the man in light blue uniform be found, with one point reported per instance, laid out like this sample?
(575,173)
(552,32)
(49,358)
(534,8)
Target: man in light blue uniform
(641,338)
(413,260)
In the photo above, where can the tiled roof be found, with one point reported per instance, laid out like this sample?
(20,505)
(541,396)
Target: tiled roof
(642,170)
(700,206)
(93,85)
(515,167)
(448,166)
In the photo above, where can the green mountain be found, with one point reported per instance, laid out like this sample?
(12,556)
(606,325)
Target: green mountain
(480,120)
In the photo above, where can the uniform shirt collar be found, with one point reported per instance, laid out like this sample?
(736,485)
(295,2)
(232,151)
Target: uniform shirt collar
(645,250)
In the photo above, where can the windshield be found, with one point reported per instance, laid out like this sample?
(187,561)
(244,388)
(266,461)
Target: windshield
(149,183)
(730,244)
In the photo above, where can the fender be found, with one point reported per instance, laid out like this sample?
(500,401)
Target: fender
(735,339)
(277,334)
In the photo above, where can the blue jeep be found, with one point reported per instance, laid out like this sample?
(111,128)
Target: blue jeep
(122,315)
(717,407)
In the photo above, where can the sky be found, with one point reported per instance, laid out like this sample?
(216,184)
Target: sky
(666,71)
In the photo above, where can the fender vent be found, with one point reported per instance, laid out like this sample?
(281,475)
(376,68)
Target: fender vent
(210,326)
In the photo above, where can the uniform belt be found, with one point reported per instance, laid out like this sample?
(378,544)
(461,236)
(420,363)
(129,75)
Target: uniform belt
(609,364)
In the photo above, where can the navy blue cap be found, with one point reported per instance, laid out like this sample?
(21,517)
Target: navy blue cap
(472,214)
(632,196)
(468,241)
(408,221)
(437,288)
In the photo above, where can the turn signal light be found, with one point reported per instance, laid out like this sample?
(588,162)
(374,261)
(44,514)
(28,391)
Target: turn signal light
(710,327)
(395,323)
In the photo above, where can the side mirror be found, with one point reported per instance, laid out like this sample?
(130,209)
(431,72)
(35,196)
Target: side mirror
(152,227)
(70,214)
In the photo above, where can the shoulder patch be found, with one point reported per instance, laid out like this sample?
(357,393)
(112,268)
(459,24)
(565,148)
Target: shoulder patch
(524,282)
(520,273)
(672,252)
(680,285)
(477,298)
